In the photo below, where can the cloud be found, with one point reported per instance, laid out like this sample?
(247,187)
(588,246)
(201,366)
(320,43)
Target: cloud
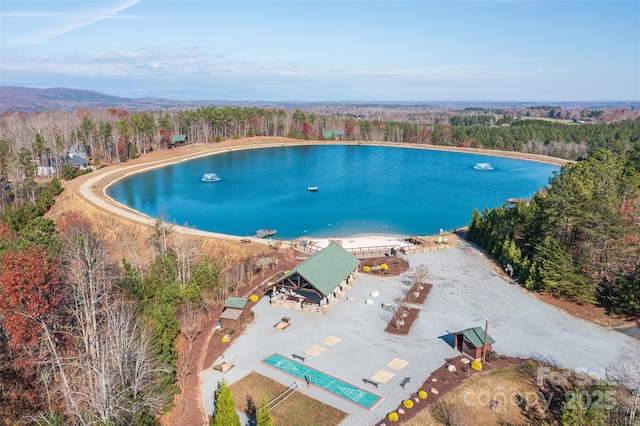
(194,63)
(67,22)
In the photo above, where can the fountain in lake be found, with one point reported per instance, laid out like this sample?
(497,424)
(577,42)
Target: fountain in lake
(210,177)
(483,166)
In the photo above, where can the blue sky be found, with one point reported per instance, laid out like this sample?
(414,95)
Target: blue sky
(375,50)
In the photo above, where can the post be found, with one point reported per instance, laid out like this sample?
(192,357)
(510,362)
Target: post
(484,341)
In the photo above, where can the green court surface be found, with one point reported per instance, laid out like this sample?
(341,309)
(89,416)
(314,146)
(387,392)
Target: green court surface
(324,381)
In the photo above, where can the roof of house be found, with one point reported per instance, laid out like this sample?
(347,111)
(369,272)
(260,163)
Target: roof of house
(475,335)
(178,138)
(326,269)
(77,161)
(235,302)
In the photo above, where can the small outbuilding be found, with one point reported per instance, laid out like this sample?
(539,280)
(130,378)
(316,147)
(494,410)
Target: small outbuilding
(318,282)
(471,341)
(235,313)
(332,134)
(179,140)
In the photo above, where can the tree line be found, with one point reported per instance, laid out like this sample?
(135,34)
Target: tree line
(578,239)
(35,145)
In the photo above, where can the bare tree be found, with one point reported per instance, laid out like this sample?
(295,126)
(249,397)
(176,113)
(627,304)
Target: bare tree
(449,414)
(627,375)
(185,253)
(161,232)
(110,374)
(210,299)
(190,320)
(420,274)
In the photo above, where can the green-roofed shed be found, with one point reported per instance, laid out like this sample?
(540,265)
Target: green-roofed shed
(319,281)
(177,140)
(235,302)
(471,341)
(331,134)
(235,313)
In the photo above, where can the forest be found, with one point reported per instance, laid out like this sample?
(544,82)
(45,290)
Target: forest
(579,240)
(90,337)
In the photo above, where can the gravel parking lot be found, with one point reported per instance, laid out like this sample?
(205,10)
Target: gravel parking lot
(466,292)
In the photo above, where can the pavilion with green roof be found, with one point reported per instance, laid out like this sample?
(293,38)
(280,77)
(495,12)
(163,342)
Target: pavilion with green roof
(318,282)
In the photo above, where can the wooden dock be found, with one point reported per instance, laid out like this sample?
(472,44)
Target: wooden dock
(264,233)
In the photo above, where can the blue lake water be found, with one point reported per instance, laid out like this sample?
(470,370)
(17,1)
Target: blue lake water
(361,190)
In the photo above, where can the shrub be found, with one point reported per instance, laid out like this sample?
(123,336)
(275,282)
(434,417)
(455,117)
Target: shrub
(392,416)
(384,267)
(476,365)
(422,394)
(407,403)
(366,268)
(68,172)
(232,331)
(254,298)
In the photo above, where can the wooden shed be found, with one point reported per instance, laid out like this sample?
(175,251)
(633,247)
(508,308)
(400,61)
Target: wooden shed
(318,282)
(235,313)
(471,341)
(179,140)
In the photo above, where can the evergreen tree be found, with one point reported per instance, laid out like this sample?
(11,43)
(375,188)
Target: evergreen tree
(224,412)
(263,416)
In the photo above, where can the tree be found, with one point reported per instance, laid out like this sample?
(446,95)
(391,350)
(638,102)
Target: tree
(190,320)
(25,158)
(5,155)
(224,412)
(627,370)
(263,415)
(30,296)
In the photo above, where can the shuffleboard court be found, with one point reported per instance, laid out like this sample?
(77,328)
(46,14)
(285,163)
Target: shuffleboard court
(324,381)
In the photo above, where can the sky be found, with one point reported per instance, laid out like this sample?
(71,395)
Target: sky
(299,50)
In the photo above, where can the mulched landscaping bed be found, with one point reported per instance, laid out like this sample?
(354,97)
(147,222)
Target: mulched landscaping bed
(444,381)
(422,293)
(408,321)
(413,313)
(397,266)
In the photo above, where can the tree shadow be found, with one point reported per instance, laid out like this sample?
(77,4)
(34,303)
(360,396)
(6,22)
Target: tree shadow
(251,411)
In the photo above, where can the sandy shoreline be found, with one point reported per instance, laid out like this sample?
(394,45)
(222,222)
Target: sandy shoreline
(92,188)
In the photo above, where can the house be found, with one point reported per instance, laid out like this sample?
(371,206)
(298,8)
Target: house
(235,313)
(48,166)
(178,140)
(77,162)
(471,341)
(318,282)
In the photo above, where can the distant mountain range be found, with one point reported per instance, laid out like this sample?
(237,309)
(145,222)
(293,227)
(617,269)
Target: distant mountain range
(28,99)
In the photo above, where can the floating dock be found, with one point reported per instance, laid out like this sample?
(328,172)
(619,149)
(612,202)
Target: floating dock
(264,233)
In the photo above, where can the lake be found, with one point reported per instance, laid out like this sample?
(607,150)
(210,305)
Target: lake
(361,190)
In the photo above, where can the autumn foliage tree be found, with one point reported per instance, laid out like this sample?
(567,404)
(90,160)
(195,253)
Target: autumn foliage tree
(30,295)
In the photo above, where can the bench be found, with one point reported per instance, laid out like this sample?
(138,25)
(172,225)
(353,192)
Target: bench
(301,358)
(404,382)
(371,382)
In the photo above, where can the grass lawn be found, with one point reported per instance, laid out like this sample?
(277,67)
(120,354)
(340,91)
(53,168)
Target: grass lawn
(486,399)
(296,410)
